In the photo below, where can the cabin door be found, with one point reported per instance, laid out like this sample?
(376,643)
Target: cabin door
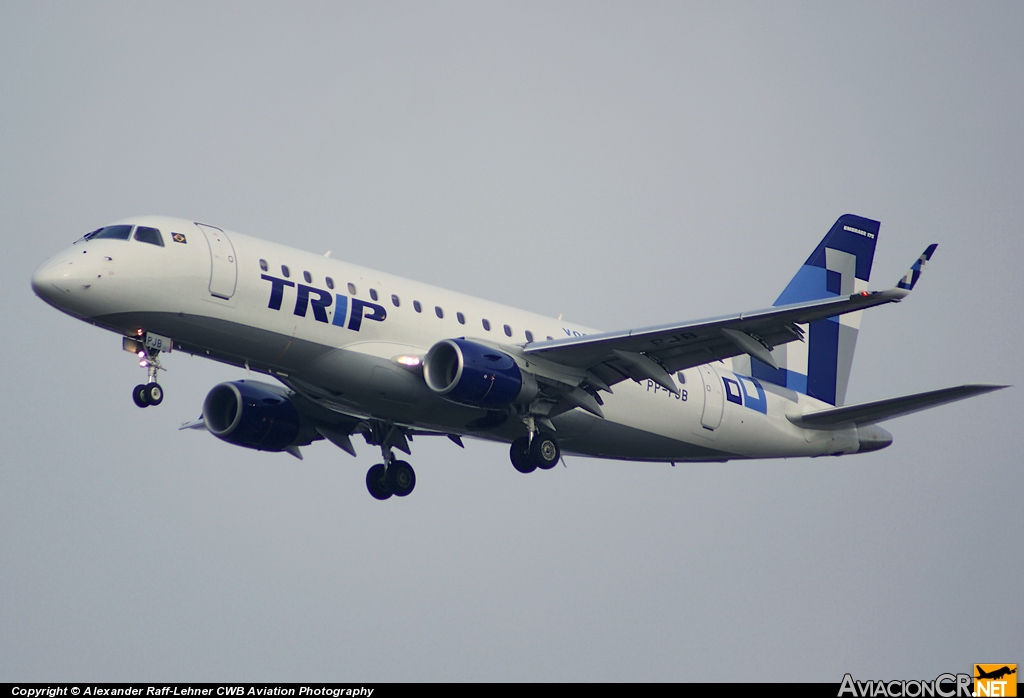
(223,269)
(714,398)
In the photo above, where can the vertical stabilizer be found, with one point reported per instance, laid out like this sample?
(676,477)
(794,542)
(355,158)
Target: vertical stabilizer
(839,266)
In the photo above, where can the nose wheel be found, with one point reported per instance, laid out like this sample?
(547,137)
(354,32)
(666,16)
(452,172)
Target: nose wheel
(146,394)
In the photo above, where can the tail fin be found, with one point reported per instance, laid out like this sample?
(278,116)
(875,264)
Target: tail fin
(839,265)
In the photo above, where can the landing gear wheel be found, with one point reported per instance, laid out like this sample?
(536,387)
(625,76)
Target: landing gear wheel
(520,455)
(401,478)
(376,482)
(544,451)
(139,395)
(153,393)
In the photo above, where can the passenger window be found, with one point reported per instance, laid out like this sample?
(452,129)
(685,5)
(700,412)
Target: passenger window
(150,235)
(285,272)
(308,277)
(263,265)
(486,323)
(113,232)
(438,311)
(529,336)
(330,283)
(461,318)
(682,377)
(508,331)
(352,288)
(394,300)
(417,307)
(373,294)
(548,338)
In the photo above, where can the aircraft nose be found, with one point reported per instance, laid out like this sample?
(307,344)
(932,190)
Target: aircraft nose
(44,278)
(52,281)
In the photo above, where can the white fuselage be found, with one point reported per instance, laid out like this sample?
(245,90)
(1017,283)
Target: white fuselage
(215,292)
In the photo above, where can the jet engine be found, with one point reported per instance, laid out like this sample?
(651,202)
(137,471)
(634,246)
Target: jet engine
(254,415)
(477,375)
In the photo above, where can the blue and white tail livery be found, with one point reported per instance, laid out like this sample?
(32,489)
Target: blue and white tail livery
(356,352)
(839,266)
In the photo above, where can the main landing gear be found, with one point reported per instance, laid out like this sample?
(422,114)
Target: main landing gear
(397,479)
(393,476)
(539,449)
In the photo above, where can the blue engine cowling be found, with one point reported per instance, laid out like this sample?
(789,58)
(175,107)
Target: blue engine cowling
(253,415)
(474,374)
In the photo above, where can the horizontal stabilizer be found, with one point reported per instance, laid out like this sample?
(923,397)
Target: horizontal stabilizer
(873,412)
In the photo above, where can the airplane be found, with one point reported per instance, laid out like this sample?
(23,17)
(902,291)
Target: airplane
(995,674)
(358,352)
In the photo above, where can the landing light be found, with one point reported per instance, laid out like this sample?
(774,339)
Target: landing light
(410,361)
(143,363)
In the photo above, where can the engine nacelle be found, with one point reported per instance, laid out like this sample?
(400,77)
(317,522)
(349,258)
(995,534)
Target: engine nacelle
(474,374)
(253,415)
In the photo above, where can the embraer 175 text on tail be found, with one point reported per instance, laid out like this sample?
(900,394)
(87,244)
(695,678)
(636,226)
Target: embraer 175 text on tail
(362,352)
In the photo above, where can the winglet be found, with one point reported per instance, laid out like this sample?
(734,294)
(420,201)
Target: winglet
(909,279)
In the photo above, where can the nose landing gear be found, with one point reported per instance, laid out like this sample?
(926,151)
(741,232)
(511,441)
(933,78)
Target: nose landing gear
(150,392)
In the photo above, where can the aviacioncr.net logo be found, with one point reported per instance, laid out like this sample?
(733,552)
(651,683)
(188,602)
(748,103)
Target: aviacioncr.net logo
(943,686)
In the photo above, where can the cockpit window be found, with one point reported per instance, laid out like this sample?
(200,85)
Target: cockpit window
(116,232)
(150,235)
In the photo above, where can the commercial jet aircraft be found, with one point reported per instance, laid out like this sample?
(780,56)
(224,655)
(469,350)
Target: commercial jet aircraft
(360,352)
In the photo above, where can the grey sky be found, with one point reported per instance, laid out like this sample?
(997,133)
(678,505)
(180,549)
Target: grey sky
(623,165)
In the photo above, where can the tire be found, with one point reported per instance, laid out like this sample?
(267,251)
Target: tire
(519,454)
(401,478)
(376,482)
(544,451)
(153,393)
(139,395)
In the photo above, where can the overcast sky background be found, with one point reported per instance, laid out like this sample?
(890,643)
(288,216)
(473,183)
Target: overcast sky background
(622,165)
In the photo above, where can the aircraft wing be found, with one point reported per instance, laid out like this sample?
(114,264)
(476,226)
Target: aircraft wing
(656,352)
